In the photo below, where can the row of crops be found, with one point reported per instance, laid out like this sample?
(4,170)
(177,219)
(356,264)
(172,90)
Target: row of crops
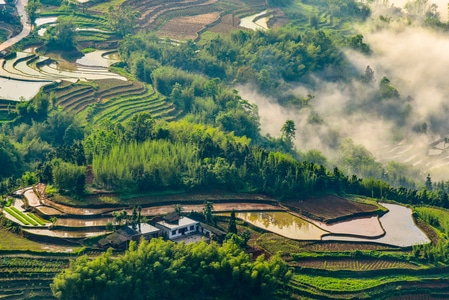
(28,277)
(25,218)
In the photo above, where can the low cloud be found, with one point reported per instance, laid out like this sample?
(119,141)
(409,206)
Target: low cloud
(415,61)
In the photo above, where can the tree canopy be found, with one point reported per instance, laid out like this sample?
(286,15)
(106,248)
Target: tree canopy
(166,270)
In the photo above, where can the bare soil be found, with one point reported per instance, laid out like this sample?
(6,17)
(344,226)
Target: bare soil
(228,22)
(354,264)
(331,208)
(185,28)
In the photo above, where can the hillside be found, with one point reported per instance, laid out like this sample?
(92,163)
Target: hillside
(292,129)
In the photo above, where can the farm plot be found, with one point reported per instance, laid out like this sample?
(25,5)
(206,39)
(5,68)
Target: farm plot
(28,66)
(226,24)
(185,28)
(24,218)
(331,208)
(354,264)
(26,278)
(274,243)
(123,107)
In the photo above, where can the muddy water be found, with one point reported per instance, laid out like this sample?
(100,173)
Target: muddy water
(45,20)
(49,211)
(369,227)
(65,234)
(399,226)
(16,90)
(284,224)
(261,24)
(70,222)
(97,59)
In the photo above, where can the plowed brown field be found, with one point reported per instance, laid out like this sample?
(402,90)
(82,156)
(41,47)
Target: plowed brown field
(185,28)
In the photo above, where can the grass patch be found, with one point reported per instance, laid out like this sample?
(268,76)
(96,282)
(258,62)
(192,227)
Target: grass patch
(103,7)
(436,217)
(88,50)
(12,241)
(333,284)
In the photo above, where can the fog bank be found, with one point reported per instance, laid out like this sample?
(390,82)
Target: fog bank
(409,129)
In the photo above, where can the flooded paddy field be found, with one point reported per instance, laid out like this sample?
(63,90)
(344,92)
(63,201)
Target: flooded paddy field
(400,229)
(395,228)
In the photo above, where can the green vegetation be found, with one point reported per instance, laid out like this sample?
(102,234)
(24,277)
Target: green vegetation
(168,270)
(20,216)
(178,127)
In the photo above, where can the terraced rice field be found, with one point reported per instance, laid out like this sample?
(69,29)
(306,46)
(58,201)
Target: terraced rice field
(33,68)
(28,277)
(184,28)
(143,99)
(380,287)
(354,264)
(154,10)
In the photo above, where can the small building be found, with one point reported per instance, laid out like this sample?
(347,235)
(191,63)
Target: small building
(147,231)
(122,237)
(211,232)
(174,226)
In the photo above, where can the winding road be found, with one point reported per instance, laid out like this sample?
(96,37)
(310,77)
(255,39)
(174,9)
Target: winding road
(26,26)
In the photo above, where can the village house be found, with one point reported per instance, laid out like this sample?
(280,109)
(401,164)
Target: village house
(211,232)
(174,226)
(122,237)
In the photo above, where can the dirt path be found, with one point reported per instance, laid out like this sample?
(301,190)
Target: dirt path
(21,4)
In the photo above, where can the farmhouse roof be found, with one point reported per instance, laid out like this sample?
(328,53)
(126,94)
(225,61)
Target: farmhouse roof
(172,217)
(213,229)
(146,228)
(114,239)
(184,221)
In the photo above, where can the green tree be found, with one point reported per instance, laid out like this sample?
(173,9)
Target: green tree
(288,131)
(31,9)
(139,127)
(166,270)
(207,211)
(61,36)
(356,42)
(368,76)
(69,177)
(11,161)
(387,90)
(122,19)
(232,227)
(429,186)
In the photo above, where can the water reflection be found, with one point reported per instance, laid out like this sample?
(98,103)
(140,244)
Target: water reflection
(16,90)
(98,59)
(260,23)
(399,227)
(65,234)
(45,20)
(283,224)
(70,222)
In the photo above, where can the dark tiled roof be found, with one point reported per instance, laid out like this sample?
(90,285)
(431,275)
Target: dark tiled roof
(172,217)
(213,229)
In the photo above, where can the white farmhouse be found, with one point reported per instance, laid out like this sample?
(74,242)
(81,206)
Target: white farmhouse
(174,226)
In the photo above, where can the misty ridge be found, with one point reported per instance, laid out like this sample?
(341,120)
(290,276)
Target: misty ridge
(389,119)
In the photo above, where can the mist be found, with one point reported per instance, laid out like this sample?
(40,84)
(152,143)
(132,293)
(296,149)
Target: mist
(409,129)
